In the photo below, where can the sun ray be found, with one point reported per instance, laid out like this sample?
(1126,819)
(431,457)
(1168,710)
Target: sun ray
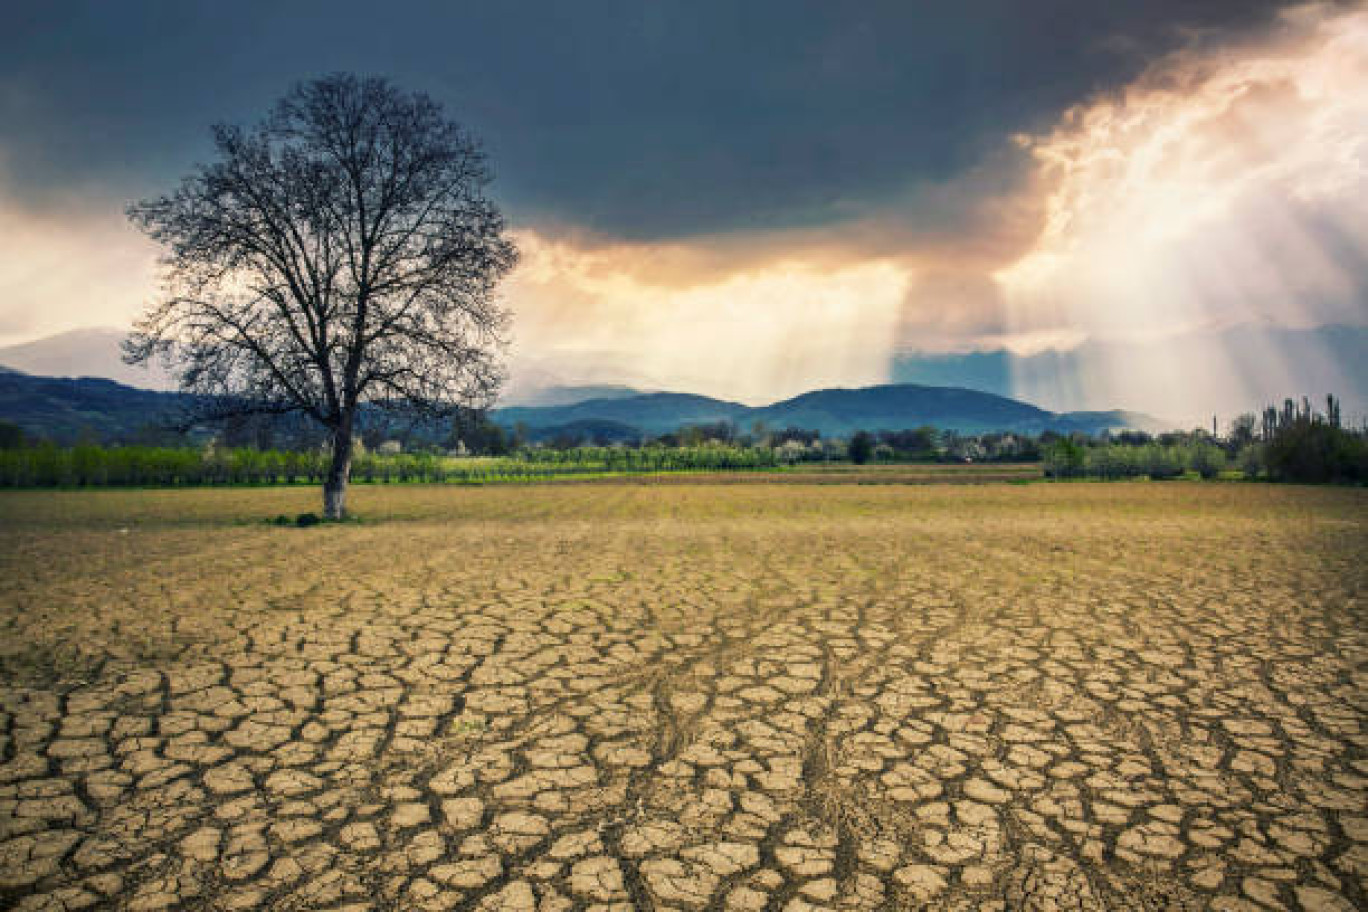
(1224,188)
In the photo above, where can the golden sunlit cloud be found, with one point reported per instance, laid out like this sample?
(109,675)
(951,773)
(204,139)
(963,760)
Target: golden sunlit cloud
(1224,187)
(75,265)
(762,315)
(762,329)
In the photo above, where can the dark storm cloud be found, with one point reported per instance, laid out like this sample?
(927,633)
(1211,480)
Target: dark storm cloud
(634,120)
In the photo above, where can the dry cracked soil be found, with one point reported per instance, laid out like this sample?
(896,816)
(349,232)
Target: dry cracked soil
(692,697)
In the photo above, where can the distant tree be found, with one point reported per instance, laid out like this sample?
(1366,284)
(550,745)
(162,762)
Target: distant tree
(157,434)
(1028,450)
(696,434)
(493,439)
(1269,423)
(920,443)
(861,447)
(1064,457)
(11,436)
(480,435)
(1250,460)
(248,430)
(798,435)
(340,253)
(566,440)
(1308,447)
(1207,459)
(924,441)
(1242,430)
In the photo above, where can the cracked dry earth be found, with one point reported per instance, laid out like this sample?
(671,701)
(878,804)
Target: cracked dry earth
(687,697)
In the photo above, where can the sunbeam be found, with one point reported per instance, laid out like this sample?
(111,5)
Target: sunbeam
(1224,188)
(760,331)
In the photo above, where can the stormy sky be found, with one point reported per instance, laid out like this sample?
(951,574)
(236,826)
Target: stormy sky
(756,198)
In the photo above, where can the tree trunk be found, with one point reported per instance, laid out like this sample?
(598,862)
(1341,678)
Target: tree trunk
(335,486)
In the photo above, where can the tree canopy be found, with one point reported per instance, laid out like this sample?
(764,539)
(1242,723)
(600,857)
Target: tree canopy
(342,252)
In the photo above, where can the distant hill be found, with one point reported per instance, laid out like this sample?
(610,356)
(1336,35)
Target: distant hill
(68,410)
(570,395)
(1259,364)
(652,413)
(84,353)
(834,412)
(597,432)
(1116,418)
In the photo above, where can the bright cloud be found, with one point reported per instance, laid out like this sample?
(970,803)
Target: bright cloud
(764,328)
(1226,186)
(76,263)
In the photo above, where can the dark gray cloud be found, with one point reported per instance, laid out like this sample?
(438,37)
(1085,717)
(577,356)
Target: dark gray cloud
(636,120)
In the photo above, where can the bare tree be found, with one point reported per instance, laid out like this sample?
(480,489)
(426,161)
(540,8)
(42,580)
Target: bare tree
(342,253)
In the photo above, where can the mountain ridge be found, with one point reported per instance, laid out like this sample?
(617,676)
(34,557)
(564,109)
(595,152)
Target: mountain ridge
(70,409)
(1269,362)
(836,411)
(571,394)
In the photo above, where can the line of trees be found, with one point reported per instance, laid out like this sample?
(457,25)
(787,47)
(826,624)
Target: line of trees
(1301,444)
(922,444)
(658,458)
(1081,458)
(89,465)
(474,451)
(48,465)
(1293,443)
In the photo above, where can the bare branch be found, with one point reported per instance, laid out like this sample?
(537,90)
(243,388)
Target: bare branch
(341,252)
